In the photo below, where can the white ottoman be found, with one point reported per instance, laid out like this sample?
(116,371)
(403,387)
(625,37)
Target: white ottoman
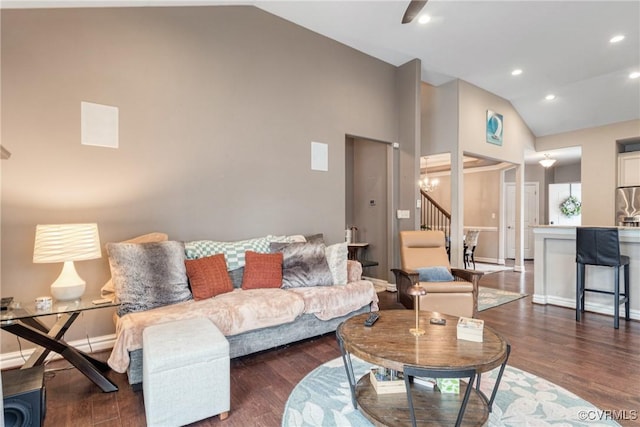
(185,372)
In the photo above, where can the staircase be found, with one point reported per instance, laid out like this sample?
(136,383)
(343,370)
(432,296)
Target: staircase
(433,216)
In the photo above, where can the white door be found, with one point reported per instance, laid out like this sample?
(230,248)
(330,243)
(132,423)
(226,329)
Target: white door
(558,193)
(531,210)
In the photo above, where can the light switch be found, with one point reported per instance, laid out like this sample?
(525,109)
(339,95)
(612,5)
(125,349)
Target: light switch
(403,214)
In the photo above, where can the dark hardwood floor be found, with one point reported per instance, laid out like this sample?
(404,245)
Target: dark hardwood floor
(591,359)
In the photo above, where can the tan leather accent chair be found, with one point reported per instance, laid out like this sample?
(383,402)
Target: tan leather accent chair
(427,249)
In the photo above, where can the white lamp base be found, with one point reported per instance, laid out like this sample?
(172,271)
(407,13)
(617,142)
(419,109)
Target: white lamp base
(68,286)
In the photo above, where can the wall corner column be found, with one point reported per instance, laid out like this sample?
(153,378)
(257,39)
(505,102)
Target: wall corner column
(408,83)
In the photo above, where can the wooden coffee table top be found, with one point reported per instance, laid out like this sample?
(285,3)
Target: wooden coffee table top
(389,343)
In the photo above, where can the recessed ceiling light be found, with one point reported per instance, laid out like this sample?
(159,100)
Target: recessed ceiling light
(550,97)
(634,75)
(516,72)
(616,39)
(424,19)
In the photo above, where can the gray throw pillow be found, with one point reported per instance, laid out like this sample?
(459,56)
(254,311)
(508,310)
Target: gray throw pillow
(303,264)
(315,238)
(148,275)
(434,274)
(236,277)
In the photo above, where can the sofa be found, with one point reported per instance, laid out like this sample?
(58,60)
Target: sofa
(260,293)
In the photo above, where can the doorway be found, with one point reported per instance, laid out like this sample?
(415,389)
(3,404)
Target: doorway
(531,211)
(368,199)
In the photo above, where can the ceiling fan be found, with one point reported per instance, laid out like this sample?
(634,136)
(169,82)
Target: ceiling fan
(413,10)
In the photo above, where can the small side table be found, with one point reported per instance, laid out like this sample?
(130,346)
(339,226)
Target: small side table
(23,320)
(357,251)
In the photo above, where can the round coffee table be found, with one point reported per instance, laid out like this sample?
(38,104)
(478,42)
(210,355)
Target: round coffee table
(388,343)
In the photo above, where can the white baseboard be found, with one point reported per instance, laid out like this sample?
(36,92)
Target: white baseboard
(490,260)
(16,359)
(571,303)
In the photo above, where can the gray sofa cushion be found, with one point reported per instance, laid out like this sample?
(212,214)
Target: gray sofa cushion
(148,275)
(304,265)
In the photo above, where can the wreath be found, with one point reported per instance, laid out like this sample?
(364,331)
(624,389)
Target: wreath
(571,207)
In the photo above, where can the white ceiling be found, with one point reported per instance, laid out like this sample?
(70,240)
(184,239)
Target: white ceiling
(562,47)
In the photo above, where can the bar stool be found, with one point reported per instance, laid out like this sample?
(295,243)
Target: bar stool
(469,247)
(601,246)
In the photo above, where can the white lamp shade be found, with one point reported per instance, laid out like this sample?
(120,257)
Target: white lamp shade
(67,243)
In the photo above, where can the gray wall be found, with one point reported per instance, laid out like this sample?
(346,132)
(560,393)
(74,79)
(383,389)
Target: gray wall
(406,166)
(217,110)
(566,173)
(440,118)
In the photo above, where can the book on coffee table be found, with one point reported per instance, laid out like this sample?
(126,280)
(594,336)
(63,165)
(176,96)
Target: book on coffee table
(386,381)
(429,383)
(470,329)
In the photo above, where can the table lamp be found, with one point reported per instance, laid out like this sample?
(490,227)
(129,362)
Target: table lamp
(416,291)
(67,243)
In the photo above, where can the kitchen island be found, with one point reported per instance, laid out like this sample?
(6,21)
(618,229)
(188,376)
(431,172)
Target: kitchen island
(555,270)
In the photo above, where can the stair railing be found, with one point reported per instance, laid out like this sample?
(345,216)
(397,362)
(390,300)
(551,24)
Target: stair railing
(433,216)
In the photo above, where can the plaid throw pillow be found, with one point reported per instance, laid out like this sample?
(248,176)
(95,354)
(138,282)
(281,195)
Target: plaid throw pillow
(233,251)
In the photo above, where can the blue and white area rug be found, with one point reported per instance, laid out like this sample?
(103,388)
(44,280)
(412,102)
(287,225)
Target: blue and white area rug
(323,399)
(490,297)
(490,268)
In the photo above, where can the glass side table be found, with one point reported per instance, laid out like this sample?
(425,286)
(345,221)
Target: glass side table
(23,320)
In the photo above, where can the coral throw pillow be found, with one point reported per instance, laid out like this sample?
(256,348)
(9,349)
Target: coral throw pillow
(262,270)
(208,276)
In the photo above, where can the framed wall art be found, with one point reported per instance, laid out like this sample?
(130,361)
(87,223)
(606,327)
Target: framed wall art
(494,127)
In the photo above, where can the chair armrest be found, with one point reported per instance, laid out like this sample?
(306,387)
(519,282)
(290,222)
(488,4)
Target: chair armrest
(404,280)
(469,276)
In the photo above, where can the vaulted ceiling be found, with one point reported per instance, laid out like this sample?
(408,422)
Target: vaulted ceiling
(562,47)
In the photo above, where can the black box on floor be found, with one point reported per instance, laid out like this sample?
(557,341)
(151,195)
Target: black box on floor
(23,397)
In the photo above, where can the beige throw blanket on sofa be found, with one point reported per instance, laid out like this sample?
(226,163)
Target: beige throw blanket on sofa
(328,302)
(242,311)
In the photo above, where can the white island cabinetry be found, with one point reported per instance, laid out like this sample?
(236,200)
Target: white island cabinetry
(555,270)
